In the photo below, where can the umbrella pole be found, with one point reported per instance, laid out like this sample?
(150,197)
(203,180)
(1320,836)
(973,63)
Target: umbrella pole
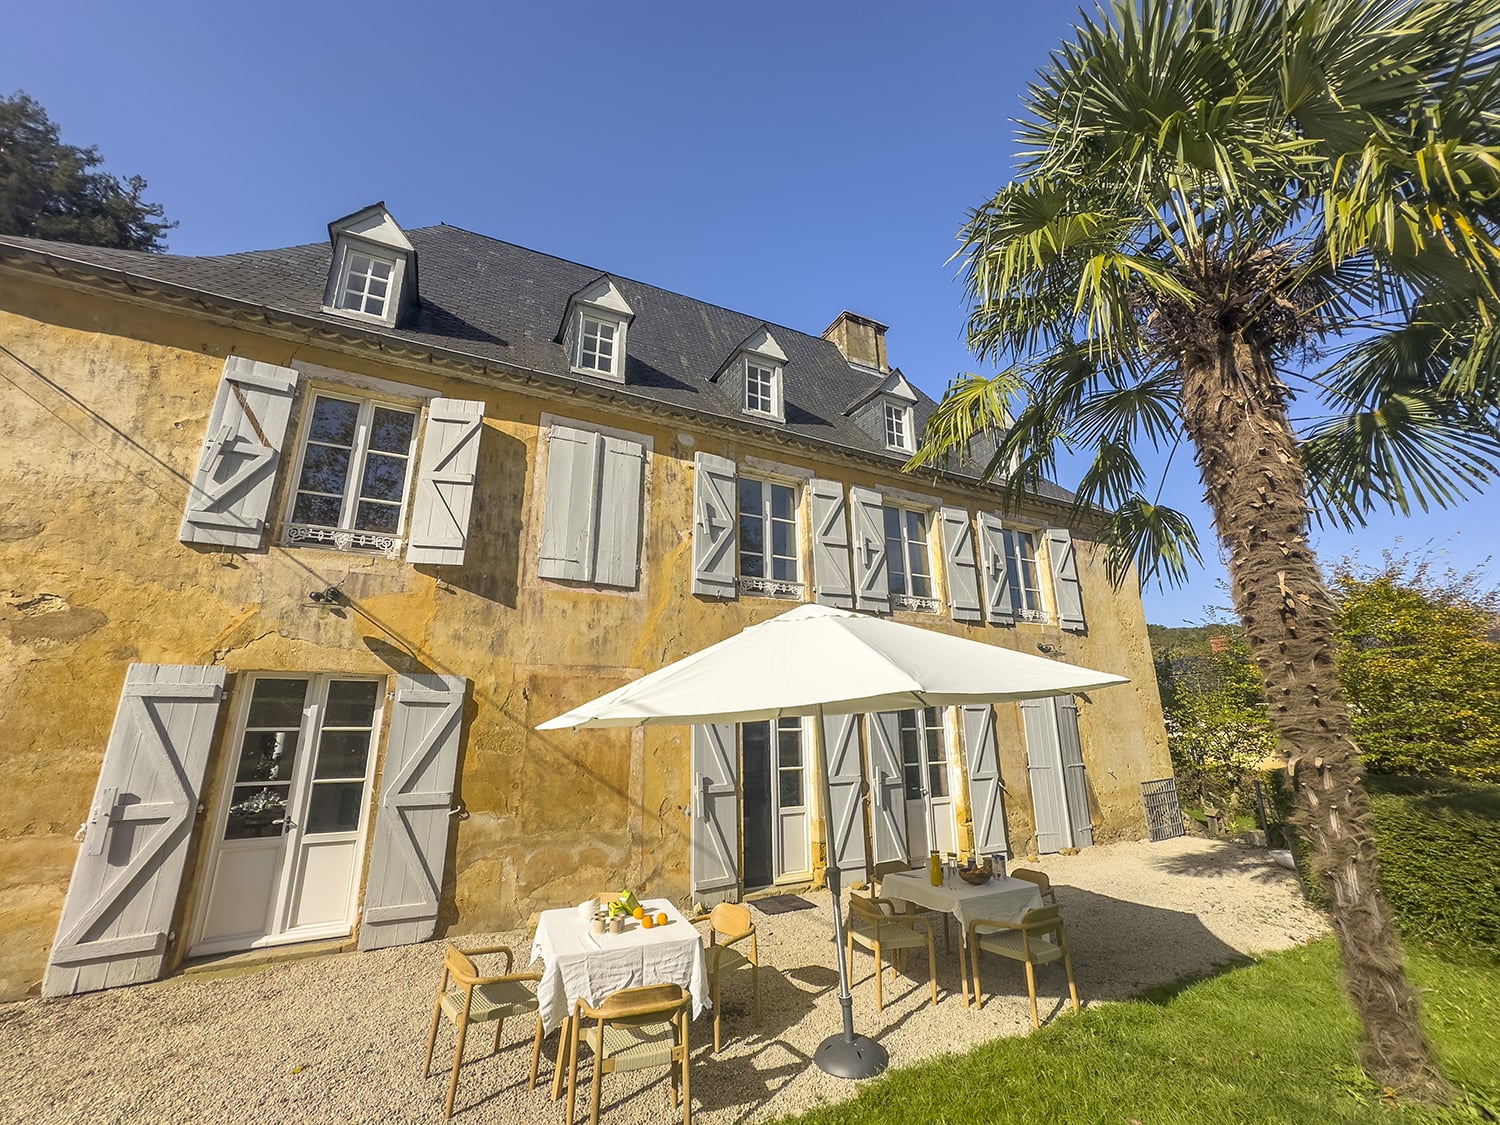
(844,1055)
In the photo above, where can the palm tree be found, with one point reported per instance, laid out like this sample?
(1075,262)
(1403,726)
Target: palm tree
(1212,191)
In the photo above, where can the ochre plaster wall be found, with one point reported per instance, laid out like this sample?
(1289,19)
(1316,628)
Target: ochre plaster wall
(103,407)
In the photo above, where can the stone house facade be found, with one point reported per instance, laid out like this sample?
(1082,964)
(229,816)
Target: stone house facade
(298,546)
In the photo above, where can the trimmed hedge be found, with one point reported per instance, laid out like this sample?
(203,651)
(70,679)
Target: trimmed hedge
(1439,842)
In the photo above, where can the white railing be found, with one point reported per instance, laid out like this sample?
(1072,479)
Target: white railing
(916,605)
(363,541)
(773,588)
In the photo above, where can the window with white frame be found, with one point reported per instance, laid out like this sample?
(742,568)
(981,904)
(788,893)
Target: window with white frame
(352,474)
(908,560)
(921,730)
(762,388)
(365,283)
(1025,586)
(790,780)
(596,347)
(898,427)
(768,538)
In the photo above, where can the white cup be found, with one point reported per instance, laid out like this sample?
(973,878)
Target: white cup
(586,909)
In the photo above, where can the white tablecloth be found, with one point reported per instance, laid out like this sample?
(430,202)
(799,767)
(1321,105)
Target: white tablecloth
(583,965)
(1003,899)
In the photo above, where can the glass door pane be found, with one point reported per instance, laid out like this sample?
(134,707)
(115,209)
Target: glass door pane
(343,755)
(268,755)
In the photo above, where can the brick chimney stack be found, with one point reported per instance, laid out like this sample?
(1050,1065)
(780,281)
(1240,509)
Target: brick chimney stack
(861,339)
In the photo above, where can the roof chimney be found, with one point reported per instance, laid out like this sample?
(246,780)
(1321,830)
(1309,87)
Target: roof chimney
(861,339)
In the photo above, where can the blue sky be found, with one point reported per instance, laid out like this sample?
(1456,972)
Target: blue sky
(786,159)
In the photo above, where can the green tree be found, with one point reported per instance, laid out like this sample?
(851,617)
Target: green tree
(1421,675)
(1210,190)
(53,190)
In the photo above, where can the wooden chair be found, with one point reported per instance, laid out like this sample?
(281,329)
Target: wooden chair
(891,866)
(877,931)
(729,923)
(1039,938)
(465,997)
(1043,884)
(635,1028)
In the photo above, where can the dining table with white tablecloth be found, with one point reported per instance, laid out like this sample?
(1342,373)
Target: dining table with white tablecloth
(1005,899)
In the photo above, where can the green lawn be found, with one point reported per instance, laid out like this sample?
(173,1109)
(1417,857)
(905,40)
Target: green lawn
(1268,1043)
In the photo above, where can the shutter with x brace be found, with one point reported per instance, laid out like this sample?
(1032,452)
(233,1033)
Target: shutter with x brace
(412,825)
(231,489)
(118,913)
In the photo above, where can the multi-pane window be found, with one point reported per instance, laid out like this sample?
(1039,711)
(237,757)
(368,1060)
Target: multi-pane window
(897,426)
(760,388)
(768,530)
(1020,563)
(596,345)
(923,730)
(366,286)
(908,563)
(789,764)
(355,463)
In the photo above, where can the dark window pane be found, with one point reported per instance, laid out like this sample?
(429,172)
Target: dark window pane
(752,536)
(916,527)
(921,586)
(913,782)
(277,703)
(892,524)
(334,421)
(750,498)
(385,477)
(781,502)
(334,807)
(342,753)
(256,810)
(267,755)
(937,780)
(351,703)
(382,519)
(390,430)
(791,789)
(325,468)
(319,511)
(784,570)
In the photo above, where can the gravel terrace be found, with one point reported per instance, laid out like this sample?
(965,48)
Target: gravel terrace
(339,1039)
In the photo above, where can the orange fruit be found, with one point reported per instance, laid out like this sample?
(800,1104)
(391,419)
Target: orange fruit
(638,912)
(646,921)
(661,919)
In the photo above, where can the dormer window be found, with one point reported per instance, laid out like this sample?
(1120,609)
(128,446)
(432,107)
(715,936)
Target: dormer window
(596,353)
(366,283)
(762,387)
(898,426)
(594,330)
(373,273)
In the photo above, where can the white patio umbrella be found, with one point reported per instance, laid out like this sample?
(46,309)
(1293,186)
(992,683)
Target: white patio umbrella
(816,660)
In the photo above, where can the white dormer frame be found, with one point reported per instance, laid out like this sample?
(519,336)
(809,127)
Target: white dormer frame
(761,352)
(369,247)
(898,420)
(598,313)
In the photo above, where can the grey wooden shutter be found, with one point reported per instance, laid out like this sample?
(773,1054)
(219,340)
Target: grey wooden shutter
(412,821)
(963,572)
(1049,808)
(831,584)
(986,793)
(872,591)
(445,482)
(846,815)
(887,787)
(622,466)
(118,911)
(231,490)
(715,812)
(998,605)
(1074,775)
(1065,579)
(568,524)
(715,523)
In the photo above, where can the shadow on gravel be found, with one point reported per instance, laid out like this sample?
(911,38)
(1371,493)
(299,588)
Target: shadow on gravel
(1228,859)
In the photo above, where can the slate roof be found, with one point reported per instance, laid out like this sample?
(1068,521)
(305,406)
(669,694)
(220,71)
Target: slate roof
(503,304)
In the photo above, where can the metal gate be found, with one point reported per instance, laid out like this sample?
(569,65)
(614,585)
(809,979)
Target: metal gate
(1163,812)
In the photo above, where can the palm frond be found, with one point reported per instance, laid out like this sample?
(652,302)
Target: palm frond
(1157,541)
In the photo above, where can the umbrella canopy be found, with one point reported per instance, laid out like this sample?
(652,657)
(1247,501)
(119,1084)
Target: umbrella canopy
(817,657)
(816,660)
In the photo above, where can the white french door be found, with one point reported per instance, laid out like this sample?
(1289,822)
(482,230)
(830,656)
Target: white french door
(929,792)
(777,843)
(290,828)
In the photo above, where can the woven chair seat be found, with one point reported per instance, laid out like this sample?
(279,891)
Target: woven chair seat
(491,1002)
(636,1046)
(891,937)
(1008,943)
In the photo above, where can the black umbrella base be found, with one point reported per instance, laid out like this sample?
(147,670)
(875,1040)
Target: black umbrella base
(860,1057)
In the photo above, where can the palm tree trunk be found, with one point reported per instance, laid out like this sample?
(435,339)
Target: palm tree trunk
(1234,410)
